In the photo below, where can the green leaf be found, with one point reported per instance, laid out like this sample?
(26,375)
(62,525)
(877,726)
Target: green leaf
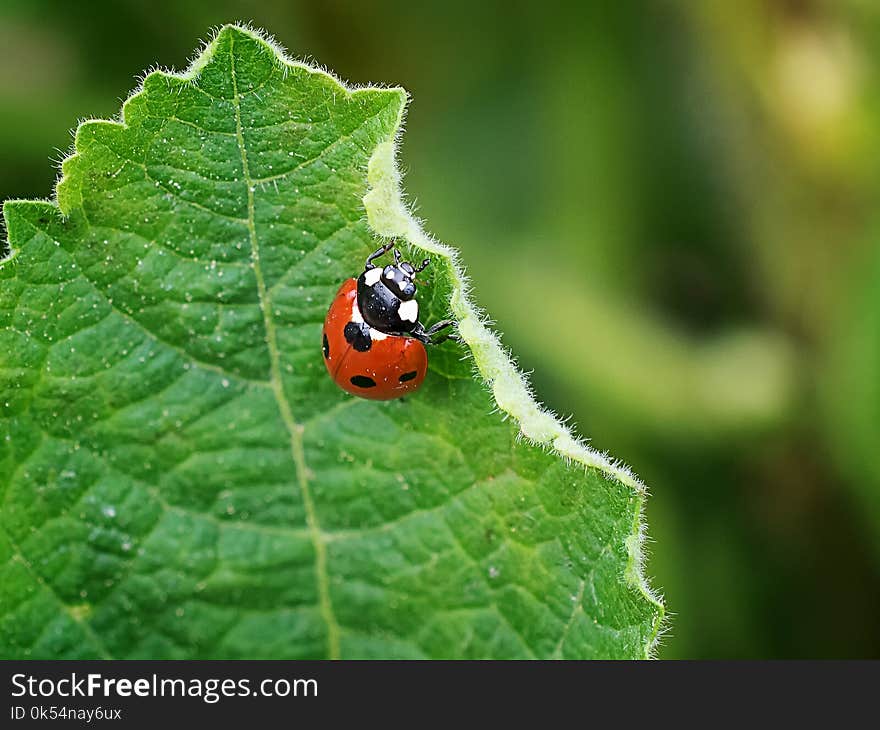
(180,478)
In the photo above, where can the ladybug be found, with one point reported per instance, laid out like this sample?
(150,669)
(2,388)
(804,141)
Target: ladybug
(373,342)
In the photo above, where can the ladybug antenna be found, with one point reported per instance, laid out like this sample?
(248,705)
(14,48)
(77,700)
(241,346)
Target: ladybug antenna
(381,251)
(397,256)
(423,266)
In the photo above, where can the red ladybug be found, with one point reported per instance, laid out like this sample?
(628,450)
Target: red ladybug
(374,344)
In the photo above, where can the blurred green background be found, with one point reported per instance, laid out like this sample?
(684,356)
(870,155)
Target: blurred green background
(671,210)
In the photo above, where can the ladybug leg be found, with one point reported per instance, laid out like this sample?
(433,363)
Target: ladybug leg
(439,327)
(381,251)
(427,336)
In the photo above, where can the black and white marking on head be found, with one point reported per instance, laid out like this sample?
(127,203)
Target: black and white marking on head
(409,311)
(362,381)
(357,334)
(372,276)
(399,281)
(386,295)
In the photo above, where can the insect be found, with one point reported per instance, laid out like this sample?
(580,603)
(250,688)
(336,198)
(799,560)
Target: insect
(373,342)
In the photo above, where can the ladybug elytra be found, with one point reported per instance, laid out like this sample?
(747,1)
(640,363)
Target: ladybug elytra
(373,342)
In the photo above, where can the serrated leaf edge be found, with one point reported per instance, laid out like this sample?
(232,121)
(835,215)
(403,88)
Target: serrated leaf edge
(390,217)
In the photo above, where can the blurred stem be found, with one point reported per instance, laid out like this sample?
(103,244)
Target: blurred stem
(634,364)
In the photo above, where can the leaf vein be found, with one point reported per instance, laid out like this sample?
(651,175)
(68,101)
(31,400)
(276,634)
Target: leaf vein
(295,430)
(65,607)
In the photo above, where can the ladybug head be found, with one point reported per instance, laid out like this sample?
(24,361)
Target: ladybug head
(399,276)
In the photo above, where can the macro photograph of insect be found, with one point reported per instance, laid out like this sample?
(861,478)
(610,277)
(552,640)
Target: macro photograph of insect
(413,331)
(378,343)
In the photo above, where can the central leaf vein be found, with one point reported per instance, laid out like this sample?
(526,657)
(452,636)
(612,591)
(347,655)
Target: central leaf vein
(294,429)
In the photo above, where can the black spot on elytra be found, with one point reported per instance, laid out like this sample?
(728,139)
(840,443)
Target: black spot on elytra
(408,376)
(363,381)
(326,347)
(357,334)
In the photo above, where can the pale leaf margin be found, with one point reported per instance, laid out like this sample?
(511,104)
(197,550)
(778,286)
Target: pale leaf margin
(390,217)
